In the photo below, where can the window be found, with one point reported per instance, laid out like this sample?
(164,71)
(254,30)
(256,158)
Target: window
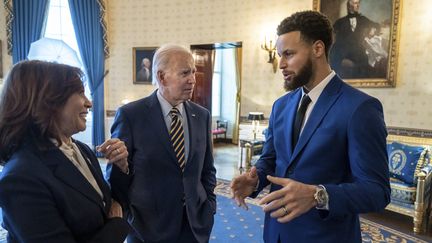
(217,85)
(224,90)
(59,23)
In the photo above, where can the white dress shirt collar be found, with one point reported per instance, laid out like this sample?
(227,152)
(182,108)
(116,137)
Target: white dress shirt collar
(166,106)
(315,93)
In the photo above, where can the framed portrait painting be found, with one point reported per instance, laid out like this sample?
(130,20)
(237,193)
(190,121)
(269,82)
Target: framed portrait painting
(366,40)
(1,64)
(142,64)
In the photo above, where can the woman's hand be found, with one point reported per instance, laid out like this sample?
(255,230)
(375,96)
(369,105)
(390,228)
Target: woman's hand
(116,152)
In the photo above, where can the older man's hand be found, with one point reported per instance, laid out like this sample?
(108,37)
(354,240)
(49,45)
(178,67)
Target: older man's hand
(115,152)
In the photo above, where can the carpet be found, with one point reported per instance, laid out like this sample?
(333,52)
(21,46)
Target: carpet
(3,232)
(234,224)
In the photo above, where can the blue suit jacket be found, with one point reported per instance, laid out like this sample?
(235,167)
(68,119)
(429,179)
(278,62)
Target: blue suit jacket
(343,147)
(46,199)
(156,190)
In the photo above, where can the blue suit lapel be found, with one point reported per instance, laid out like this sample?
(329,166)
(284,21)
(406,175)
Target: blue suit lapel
(65,171)
(157,122)
(290,111)
(91,160)
(192,118)
(325,101)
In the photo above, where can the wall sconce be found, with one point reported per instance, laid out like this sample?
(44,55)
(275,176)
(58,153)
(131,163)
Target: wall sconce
(271,49)
(255,117)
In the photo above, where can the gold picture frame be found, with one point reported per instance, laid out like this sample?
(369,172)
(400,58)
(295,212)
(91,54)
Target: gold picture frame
(376,65)
(142,64)
(1,62)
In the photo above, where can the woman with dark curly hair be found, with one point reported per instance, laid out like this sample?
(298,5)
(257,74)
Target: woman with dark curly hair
(52,188)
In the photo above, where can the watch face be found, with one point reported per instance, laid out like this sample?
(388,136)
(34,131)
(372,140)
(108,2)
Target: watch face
(321,197)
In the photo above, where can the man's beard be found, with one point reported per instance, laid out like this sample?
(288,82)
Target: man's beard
(301,78)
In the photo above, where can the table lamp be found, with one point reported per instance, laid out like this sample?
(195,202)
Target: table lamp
(255,117)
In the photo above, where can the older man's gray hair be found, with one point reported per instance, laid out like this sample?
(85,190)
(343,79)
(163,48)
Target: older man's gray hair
(162,57)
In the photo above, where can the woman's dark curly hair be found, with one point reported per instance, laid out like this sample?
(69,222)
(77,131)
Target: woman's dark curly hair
(33,95)
(312,25)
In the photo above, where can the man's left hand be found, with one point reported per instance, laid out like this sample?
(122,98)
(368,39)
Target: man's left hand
(291,201)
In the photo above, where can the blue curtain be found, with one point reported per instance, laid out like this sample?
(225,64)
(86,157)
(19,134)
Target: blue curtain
(86,20)
(27,23)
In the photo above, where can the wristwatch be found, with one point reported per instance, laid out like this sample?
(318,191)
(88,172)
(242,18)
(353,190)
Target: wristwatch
(321,197)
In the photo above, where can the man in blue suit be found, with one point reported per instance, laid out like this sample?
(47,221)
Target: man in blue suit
(325,152)
(168,190)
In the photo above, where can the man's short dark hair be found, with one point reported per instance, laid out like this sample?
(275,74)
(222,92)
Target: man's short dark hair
(312,25)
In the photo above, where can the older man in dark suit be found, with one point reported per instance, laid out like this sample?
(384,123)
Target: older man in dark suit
(348,56)
(168,190)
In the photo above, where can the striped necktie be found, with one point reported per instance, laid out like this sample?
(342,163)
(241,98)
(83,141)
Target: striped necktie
(177,137)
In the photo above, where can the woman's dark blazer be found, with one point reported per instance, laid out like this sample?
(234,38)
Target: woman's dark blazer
(46,199)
